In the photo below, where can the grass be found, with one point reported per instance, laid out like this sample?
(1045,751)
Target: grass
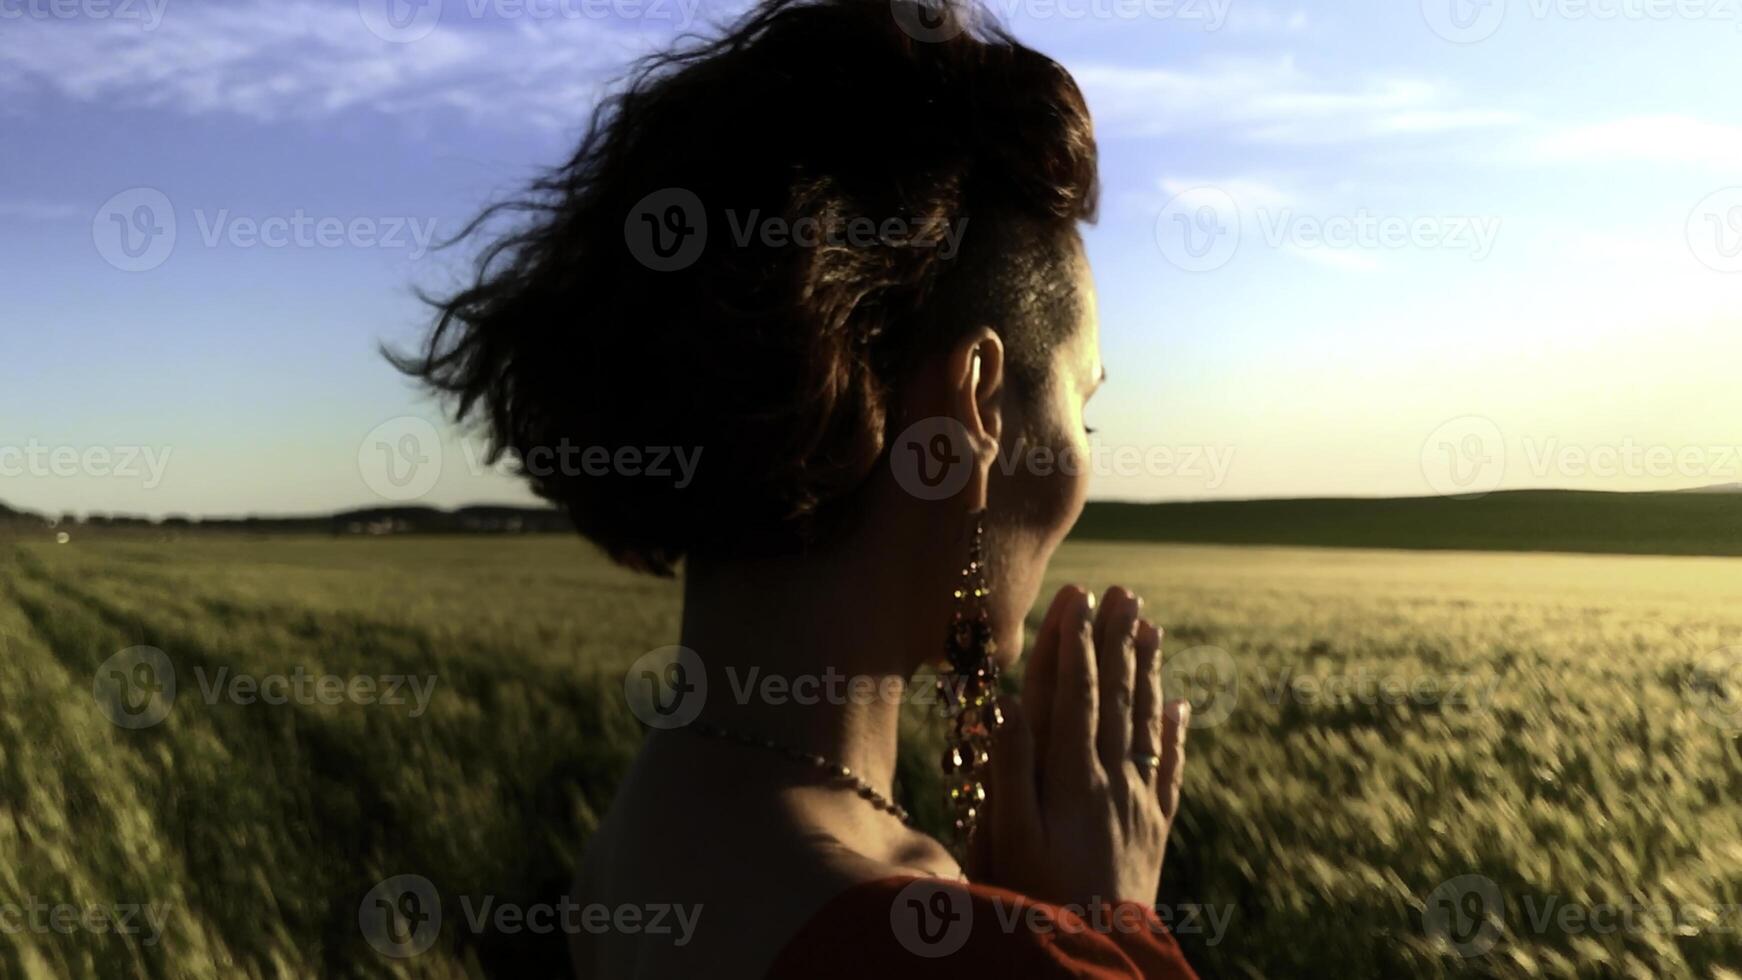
(1519,520)
(1573,765)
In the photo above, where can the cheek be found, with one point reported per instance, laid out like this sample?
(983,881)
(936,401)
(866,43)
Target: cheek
(1073,482)
(1033,508)
(1056,485)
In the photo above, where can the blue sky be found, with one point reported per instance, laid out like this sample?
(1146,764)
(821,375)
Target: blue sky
(1356,247)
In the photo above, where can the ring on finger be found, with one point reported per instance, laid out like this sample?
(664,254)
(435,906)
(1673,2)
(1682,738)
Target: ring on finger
(1149,762)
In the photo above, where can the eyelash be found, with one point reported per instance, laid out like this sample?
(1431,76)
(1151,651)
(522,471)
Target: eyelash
(1089,430)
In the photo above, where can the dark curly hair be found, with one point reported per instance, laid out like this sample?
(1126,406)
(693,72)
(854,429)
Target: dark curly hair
(777,360)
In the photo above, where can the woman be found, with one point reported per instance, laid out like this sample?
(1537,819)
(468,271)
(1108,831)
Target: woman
(832,258)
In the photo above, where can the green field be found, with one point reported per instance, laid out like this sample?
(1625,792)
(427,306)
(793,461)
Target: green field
(1570,739)
(1514,520)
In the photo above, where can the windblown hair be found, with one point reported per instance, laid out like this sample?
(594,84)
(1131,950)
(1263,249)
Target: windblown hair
(779,361)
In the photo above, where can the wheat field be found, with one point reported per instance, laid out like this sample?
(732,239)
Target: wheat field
(1403,764)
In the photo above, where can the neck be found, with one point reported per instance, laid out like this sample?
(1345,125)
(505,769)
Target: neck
(814,653)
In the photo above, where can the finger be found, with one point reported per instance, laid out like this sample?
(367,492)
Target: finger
(1177,720)
(1013,803)
(1146,722)
(1070,748)
(1116,666)
(1040,673)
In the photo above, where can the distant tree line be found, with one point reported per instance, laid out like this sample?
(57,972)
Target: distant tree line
(374,520)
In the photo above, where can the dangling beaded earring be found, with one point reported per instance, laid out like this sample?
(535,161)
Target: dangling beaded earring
(969,690)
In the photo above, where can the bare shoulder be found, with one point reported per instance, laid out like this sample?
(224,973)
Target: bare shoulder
(737,874)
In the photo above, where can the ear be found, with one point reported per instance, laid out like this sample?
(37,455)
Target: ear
(975,372)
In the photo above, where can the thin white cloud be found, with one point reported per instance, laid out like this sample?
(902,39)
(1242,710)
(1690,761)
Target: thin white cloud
(1255,18)
(296,59)
(1656,139)
(1257,200)
(1447,120)
(1273,101)
(1250,193)
(1341,259)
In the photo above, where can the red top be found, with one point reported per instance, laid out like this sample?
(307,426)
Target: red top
(915,928)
